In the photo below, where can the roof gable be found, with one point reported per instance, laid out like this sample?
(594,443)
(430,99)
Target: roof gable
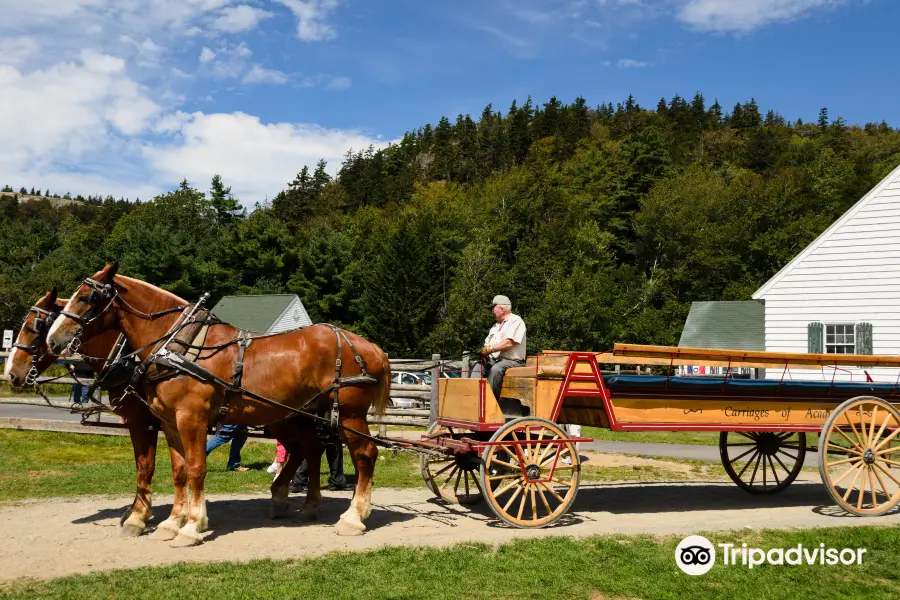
(256,313)
(731,325)
(892,177)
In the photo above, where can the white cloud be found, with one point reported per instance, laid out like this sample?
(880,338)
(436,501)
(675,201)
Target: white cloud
(258,74)
(329,82)
(240,18)
(206,55)
(746,15)
(629,63)
(257,159)
(517,46)
(311,18)
(16,50)
(62,118)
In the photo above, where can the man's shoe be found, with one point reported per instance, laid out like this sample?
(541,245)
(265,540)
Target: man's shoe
(240,468)
(297,489)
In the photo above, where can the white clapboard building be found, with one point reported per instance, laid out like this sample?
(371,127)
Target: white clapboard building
(841,294)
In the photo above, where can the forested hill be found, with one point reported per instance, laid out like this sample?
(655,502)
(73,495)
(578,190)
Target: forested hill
(602,224)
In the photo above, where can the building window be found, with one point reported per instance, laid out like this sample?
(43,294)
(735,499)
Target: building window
(839,339)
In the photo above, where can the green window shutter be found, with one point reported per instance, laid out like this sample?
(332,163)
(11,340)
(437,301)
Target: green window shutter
(863,338)
(815,336)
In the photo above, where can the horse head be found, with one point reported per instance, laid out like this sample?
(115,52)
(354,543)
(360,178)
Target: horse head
(89,312)
(30,355)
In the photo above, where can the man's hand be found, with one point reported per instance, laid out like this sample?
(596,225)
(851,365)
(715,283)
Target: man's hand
(486,350)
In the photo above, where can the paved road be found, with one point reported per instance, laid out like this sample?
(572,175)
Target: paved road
(24,411)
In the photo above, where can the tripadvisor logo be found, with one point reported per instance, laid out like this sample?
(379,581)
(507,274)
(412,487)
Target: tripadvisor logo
(696,555)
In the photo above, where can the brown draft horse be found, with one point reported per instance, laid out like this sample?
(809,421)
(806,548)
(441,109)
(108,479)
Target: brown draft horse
(290,368)
(31,351)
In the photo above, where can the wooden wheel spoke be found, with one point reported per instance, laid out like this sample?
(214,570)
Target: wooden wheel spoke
(449,477)
(789,455)
(847,472)
(786,470)
(544,500)
(524,500)
(862,490)
(885,440)
(853,483)
(756,468)
(749,462)
(754,444)
(515,495)
(881,429)
(844,450)
(889,461)
(774,474)
(871,437)
(854,444)
(859,442)
(568,484)
(449,466)
(552,491)
(872,483)
(843,461)
(881,483)
(736,458)
(534,506)
(495,460)
(504,476)
(507,487)
(886,472)
(548,449)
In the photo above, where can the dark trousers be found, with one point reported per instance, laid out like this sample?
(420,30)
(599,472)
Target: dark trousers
(334,454)
(496,370)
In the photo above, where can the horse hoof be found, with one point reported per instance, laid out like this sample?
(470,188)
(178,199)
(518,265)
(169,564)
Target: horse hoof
(129,531)
(163,534)
(185,541)
(346,528)
(279,511)
(311,515)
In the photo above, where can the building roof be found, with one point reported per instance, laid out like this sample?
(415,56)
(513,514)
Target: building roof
(731,325)
(256,313)
(892,177)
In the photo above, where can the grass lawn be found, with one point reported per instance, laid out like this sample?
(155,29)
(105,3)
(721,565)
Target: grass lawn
(603,567)
(37,464)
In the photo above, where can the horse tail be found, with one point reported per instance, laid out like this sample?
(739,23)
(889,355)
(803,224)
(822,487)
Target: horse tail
(384,395)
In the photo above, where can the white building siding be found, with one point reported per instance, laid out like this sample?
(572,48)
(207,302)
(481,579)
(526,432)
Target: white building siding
(294,316)
(850,274)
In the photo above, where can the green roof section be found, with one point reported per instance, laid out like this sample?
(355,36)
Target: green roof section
(731,325)
(256,314)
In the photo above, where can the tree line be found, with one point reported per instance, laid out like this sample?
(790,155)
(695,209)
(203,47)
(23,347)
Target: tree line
(601,223)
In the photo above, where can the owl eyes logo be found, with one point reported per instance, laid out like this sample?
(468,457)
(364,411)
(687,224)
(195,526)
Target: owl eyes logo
(695,555)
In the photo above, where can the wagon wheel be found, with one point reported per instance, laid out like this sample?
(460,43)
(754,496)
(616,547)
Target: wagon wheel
(857,452)
(762,462)
(528,480)
(452,477)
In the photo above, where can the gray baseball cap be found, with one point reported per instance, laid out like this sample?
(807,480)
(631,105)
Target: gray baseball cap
(500,300)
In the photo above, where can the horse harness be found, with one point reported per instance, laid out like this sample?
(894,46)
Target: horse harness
(189,333)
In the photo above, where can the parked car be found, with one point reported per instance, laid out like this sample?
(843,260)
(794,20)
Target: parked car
(406,378)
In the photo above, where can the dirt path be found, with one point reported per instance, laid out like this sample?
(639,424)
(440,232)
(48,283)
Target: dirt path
(52,538)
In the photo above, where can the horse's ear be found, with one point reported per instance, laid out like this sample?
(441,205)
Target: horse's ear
(52,294)
(111,271)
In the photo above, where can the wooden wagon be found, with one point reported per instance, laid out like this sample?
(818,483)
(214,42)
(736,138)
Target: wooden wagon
(514,452)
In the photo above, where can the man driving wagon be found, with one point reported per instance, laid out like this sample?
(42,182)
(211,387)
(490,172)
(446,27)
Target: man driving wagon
(504,346)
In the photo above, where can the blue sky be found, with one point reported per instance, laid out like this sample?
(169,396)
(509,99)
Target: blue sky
(130,96)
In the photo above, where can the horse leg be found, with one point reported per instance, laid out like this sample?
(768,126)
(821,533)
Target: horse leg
(168,529)
(193,439)
(364,453)
(313,451)
(301,443)
(144,442)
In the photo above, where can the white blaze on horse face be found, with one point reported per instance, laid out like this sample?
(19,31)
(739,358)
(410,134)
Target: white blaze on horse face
(58,321)
(9,363)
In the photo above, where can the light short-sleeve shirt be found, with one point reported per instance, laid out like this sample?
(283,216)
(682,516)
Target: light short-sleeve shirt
(513,327)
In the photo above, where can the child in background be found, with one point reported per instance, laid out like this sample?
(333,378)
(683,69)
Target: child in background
(280,459)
